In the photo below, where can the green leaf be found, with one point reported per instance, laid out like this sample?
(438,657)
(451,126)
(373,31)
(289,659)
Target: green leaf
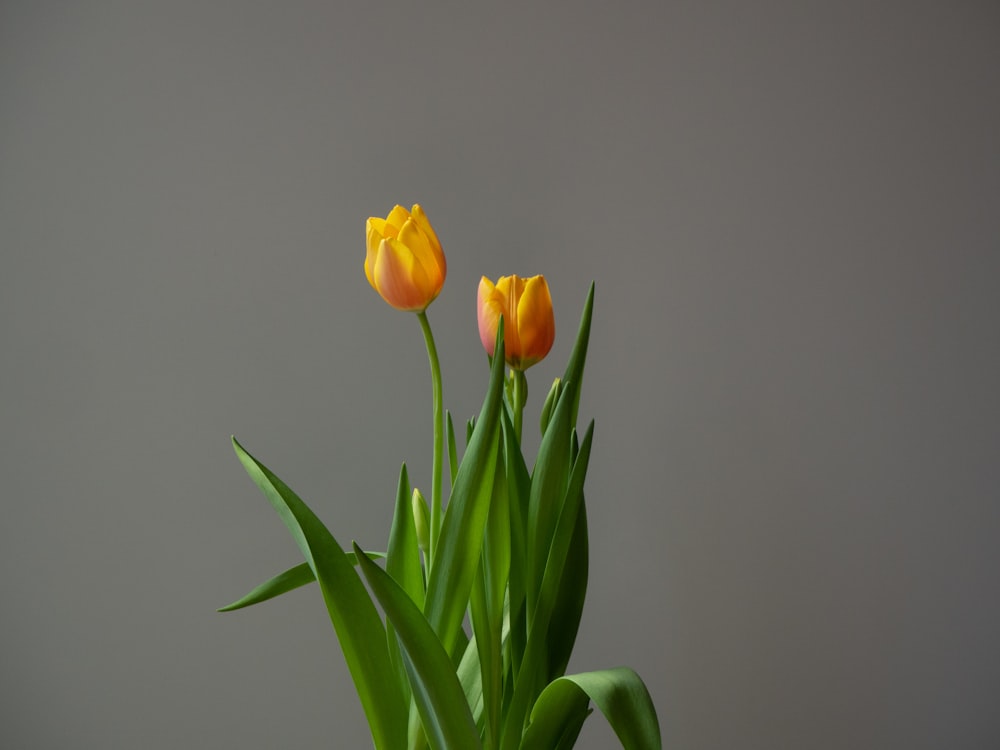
(403,564)
(452,450)
(578,357)
(550,404)
(548,488)
(290,580)
(357,624)
(457,556)
(402,560)
(443,710)
(568,610)
(518,491)
(620,695)
(471,678)
(534,665)
(282,583)
(487,604)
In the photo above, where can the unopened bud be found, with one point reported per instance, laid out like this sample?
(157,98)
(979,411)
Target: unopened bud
(421,519)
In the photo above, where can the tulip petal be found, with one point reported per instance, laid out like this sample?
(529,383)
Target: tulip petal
(411,236)
(400,279)
(488,314)
(425,225)
(396,218)
(536,322)
(375,232)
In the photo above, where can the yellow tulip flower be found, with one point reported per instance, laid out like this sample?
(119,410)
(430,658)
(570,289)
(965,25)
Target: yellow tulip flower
(405,263)
(529,324)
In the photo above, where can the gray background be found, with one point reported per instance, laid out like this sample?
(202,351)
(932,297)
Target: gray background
(791,211)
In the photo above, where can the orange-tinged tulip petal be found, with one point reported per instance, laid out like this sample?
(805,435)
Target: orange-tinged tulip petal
(400,278)
(421,218)
(536,327)
(489,315)
(404,261)
(529,324)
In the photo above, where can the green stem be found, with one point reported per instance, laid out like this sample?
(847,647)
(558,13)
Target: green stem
(520,399)
(436,508)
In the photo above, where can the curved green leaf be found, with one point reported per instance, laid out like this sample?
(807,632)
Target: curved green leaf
(282,583)
(620,695)
(446,718)
(358,626)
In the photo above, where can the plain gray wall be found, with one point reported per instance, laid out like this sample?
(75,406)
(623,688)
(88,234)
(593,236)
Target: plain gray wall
(791,211)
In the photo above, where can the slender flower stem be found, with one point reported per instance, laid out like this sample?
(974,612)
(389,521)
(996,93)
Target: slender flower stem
(520,399)
(436,508)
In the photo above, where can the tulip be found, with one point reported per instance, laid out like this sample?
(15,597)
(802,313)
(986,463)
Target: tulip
(529,325)
(404,263)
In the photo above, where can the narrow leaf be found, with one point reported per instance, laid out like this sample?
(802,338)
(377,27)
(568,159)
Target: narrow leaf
(282,583)
(357,624)
(452,450)
(290,580)
(403,564)
(568,610)
(403,555)
(548,488)
(518,491)
(460,543)
(534,665)
(578,357)
(487,603)
(445,715)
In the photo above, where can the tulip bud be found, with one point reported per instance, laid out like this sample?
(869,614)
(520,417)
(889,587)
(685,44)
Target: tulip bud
(421,519)
(405,263)
(529,324)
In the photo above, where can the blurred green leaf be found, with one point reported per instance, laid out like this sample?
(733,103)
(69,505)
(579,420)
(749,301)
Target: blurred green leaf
(620,695)
(357,624)
(443,710)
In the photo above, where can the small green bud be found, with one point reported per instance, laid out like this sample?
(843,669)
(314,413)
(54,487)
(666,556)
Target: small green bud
(421,519)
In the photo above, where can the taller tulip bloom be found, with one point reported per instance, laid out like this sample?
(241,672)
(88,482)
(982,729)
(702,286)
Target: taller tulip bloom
(529,324)
(405,263)
(406,266)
